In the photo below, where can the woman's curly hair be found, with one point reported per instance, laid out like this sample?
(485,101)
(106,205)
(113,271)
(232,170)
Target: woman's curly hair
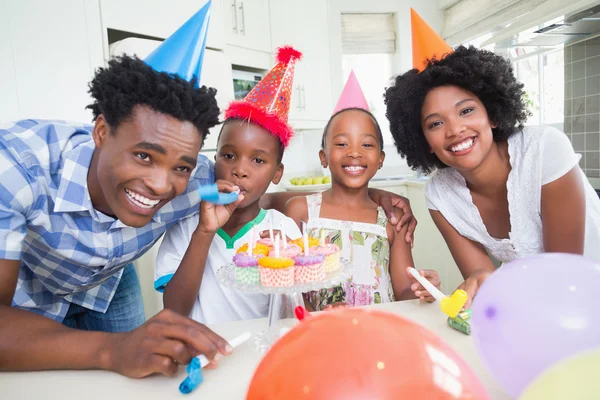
(128,82)
(487,75)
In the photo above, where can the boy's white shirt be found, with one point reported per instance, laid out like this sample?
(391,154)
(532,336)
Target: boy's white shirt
(216,303)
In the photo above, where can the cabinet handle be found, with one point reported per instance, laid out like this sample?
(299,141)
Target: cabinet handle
(234,16)
(299,95)
(243,28)
(303,98)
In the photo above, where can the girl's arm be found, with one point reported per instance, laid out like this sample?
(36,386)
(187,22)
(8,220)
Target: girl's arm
(404,285)
(563,214)
(471,257)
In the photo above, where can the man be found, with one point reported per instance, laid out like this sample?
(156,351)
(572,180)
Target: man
(78,204)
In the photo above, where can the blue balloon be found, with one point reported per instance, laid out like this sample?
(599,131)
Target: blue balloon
(182,52)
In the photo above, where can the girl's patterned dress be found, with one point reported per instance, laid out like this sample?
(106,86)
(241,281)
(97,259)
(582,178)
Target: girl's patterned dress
(366,246)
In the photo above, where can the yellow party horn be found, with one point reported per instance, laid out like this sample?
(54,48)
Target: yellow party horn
(450,306)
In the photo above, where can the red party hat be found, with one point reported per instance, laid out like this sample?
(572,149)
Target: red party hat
(268,104)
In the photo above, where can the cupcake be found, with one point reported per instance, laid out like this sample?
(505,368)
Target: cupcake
(309,268)
(312,242)
(266,242)
(246,268)
(331,252)
(291,251)
(276,272)
(259,249)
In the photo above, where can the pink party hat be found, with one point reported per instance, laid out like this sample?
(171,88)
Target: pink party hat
(352,96)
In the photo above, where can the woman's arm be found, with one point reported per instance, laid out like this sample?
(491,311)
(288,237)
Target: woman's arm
(563,214)
(473,261)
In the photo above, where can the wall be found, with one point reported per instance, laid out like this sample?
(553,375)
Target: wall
(48,57)
(582,102)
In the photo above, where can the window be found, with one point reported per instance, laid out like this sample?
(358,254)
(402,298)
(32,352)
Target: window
(368,47)
(546,71)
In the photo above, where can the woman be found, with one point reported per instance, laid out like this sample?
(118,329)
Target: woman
(498,187)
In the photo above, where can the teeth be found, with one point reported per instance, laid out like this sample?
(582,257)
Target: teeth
(354,168)
(463,146)
(140,200)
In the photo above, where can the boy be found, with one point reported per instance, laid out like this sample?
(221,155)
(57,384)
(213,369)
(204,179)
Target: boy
(249,153)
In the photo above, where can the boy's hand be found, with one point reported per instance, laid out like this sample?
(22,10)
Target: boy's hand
(419,291)
(161,345)
(213,216)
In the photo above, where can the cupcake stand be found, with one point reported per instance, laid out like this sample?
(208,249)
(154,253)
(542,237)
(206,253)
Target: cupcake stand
(283,300)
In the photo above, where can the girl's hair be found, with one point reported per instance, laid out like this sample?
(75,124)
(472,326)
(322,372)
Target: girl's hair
(377,127)
(485,74)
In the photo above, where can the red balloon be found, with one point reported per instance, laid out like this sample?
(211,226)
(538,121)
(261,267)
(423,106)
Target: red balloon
(362,354)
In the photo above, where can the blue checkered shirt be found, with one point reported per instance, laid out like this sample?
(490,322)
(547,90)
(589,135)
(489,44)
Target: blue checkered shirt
(69,252)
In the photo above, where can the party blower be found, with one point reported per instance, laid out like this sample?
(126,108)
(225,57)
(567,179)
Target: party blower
(194,368)
(450,306)
(211,194)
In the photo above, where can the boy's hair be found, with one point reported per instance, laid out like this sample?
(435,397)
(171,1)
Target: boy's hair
(377,127)
(280,148)
(485,74)
(128,82)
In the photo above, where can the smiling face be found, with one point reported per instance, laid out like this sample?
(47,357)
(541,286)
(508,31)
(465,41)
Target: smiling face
(248,156)
(457,127)
(352,149)
(142,164)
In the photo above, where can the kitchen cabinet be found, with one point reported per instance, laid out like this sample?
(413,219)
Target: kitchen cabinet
(304,25)
(50,52)
(246,24)
(160,18)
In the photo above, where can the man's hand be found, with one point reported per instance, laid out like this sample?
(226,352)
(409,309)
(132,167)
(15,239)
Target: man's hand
(212,216)
(391,203)
(162,344)
(472,285)
(422,293)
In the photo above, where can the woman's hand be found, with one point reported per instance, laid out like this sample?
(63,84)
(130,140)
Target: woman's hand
(395,205)
(472,284)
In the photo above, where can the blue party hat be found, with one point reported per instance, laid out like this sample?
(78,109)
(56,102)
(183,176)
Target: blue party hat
(183,51)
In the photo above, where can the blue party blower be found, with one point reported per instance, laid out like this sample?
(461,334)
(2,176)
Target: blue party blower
(211,194)
(194,368)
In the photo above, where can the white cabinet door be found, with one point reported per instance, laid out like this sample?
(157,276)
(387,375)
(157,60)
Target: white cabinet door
(304,25)
(160,18)
(246,24)
(53,52)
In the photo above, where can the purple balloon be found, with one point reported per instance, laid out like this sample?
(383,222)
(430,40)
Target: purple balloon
(533,312)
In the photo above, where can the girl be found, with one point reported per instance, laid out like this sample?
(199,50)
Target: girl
(352,148)
(498,187)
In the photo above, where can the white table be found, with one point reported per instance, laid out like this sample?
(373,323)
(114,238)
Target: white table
(229,381)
